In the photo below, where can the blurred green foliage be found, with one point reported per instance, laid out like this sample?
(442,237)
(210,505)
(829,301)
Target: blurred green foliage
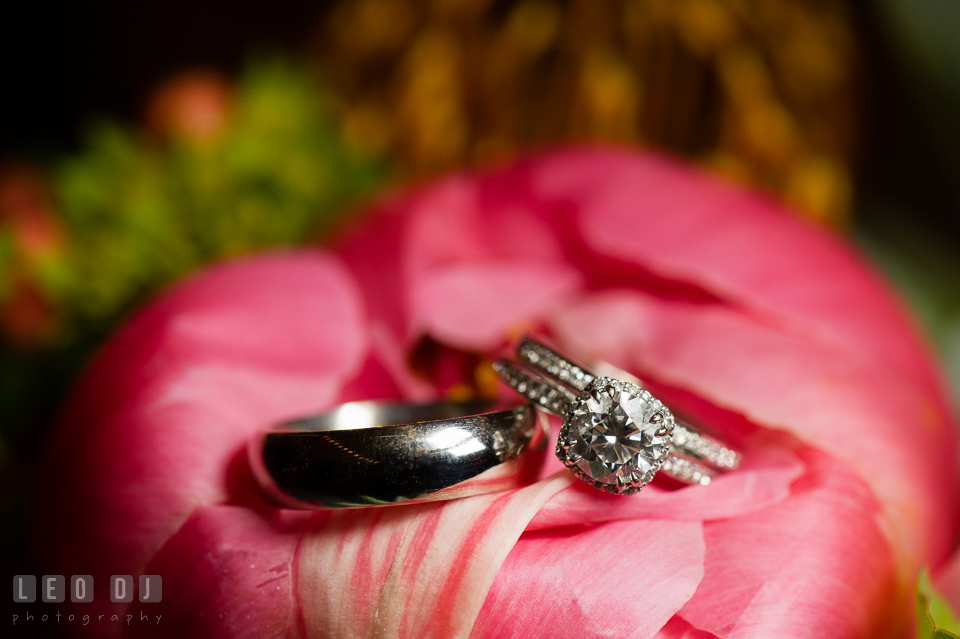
(139,215)
(140,208)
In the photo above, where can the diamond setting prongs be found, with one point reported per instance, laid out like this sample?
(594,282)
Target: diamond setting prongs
(615,436)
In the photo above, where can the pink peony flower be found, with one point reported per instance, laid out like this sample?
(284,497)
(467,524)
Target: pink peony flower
(767,330)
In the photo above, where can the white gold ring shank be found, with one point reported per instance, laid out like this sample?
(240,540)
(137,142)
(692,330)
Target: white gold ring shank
(371,453)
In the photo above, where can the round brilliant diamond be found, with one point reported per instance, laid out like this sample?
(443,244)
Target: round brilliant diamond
(616,434)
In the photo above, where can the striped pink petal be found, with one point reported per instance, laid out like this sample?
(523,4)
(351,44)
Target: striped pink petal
(410,572)
(621,579)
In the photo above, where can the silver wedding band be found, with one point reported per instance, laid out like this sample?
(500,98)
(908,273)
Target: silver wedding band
(376,454)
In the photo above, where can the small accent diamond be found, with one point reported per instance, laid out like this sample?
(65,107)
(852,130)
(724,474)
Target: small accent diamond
(542,357)
(688,471)
(702,447)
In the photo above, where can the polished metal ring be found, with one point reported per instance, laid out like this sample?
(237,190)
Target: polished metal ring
(376,454)
(615,435)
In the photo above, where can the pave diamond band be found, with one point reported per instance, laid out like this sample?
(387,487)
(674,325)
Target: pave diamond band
(550,397)
(545,359)
(690,442)
(615,435)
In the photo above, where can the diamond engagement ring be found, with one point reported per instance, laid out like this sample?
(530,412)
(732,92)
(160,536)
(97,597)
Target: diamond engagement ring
(615,435)
(376,454)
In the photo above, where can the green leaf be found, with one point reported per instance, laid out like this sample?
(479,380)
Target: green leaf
(935,618)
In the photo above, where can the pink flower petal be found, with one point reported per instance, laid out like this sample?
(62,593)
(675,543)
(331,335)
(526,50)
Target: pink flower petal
(228,572)
(743,248)
(677,628)
(473,306)
(402,249)
(159,424)
(763,481)
(622,579)
(410,572)
(794,384)
(815,565)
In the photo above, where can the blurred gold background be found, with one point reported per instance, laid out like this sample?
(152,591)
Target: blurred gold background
(764,91)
